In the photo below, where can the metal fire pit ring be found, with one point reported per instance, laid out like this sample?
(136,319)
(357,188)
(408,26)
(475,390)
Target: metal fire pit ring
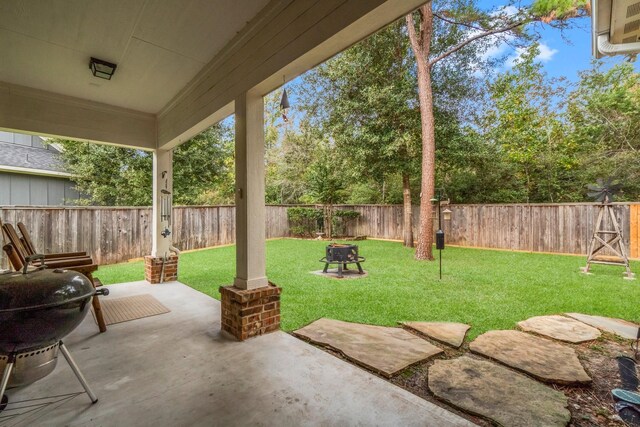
(342,255)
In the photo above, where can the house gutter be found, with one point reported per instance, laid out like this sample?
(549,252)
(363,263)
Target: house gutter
(31,171)
(609,49)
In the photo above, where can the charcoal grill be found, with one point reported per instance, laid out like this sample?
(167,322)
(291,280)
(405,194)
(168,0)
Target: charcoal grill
(37,309)
(342,255)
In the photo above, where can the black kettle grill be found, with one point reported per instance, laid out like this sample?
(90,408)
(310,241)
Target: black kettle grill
(37,309)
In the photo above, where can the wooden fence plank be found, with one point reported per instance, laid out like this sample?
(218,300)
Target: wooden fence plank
(634,231)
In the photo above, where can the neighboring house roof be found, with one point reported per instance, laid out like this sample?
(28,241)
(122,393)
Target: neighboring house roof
(30,160)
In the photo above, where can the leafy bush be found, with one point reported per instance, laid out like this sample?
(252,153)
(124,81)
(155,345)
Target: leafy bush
(342,219)
(304,222)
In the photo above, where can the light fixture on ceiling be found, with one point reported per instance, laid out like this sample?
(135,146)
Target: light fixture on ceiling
(102,69)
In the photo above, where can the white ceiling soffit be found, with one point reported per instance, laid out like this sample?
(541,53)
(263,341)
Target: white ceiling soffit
(616,27)
(158,45)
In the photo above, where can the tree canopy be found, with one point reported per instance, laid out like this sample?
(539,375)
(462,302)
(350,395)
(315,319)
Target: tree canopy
(116,176)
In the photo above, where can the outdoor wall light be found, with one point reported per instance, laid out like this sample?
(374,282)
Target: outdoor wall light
(102,69)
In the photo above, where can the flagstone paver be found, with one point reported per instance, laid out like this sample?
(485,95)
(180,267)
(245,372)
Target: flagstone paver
(495,392)
(382,349)
(446,332)
(542,358)
(560,328)
(619,327)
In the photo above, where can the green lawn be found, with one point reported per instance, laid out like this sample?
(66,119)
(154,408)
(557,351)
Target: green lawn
(487,289)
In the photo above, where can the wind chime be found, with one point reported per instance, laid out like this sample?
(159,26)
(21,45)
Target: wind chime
(284,103)
(607,234)
(165,206)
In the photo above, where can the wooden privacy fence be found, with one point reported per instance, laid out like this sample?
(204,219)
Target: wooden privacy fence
(114,234)
(560,228)
(117,234)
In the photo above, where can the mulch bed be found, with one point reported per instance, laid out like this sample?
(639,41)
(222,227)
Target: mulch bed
(593,405)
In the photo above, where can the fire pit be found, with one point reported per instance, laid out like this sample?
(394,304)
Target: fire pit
(342,255)
(37,309)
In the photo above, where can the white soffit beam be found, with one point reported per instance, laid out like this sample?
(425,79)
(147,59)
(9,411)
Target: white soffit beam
(615,27)
(625,21)
(287,38)
(38,112)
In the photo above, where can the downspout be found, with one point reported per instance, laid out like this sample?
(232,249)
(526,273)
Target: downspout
(610,49)
(164,260)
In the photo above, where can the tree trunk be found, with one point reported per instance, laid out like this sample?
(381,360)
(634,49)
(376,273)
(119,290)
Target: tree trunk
(407,211)
(425,240)
(421,45)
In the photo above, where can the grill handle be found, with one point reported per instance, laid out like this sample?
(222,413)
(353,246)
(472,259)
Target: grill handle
(102,292)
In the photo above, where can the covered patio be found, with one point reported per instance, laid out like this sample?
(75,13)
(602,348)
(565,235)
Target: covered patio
(152,74)
(177,369)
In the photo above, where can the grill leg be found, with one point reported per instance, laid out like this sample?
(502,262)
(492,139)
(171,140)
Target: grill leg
(6,375)
(359,268)
(326,267)
(76,370)
(345,267)
(340,270)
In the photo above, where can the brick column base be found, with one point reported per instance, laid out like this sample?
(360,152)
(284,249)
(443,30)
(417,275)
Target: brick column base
(249,313)
(153,269)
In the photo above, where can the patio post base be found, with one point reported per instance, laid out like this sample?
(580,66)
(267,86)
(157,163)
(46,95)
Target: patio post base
(248,313)
(154,271)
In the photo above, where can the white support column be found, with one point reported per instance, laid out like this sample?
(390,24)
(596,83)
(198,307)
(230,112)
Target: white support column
(162,196)
(250,208)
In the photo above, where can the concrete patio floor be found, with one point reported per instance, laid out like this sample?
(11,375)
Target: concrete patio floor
(176,369)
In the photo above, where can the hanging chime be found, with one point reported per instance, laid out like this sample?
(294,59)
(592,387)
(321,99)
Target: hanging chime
(284,106)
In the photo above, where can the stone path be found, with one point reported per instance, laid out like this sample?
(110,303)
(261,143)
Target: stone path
(560,328)
(446,332)
(542,358)
(619,327)
(498,393)
(482,386)
(382,349)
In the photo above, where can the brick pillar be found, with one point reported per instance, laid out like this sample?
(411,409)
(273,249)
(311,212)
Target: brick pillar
(250,312)
(153,269)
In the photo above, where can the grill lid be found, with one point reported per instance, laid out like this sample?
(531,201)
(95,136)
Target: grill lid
(41,289)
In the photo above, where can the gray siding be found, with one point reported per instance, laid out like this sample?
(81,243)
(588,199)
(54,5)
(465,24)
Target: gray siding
(25,140)
(34,190)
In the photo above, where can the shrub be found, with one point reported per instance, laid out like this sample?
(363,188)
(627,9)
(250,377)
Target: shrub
(342,219)
(304,222)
